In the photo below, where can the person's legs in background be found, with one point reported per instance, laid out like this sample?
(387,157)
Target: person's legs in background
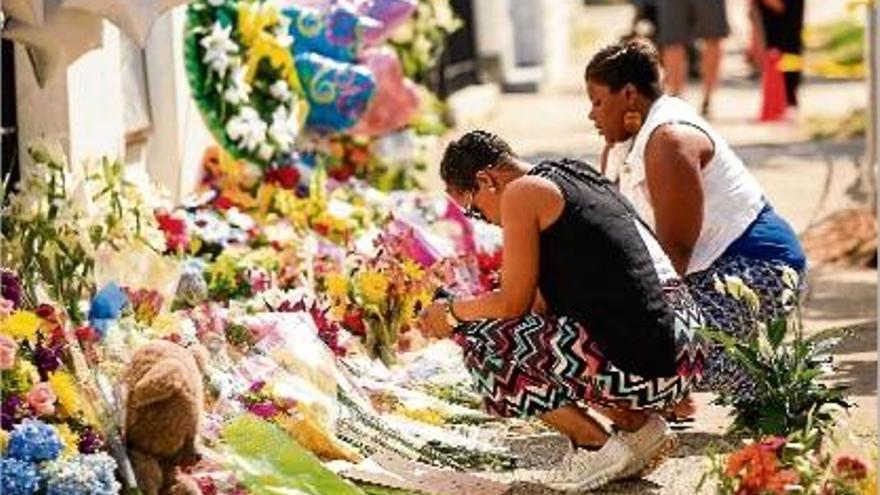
(673,33)
(783,31)
(710,26)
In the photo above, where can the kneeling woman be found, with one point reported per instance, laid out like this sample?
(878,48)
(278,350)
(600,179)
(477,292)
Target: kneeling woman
(590,310)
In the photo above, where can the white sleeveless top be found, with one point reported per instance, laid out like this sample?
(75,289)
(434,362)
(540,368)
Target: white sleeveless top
(732,197)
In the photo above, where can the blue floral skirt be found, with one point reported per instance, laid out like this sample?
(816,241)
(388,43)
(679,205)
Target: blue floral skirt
(777,292)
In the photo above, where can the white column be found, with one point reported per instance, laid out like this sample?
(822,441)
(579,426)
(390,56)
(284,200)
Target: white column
(179,136)
(81,108)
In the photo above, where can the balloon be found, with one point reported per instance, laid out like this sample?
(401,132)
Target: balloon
(338,92)
(396,100)
(312,4)
(391,13)
(338,33)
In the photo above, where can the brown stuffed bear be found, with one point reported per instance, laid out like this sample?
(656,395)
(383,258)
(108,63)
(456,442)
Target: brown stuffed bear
(163,409)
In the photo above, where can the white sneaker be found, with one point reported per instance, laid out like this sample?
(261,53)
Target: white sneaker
(585,470)
(650,445)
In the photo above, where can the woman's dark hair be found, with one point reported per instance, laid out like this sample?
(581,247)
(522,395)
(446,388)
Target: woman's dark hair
(477,150)
(633,61)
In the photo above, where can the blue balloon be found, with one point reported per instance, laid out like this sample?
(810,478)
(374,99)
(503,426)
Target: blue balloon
(338,93)
(337,33)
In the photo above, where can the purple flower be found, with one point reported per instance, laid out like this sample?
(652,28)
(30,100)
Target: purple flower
(89,441)
(13,411)
(264,410)
(47,359)
(257,386)
(10,287)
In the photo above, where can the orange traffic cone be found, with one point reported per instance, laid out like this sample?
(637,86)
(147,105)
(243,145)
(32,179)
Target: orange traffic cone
(773,88)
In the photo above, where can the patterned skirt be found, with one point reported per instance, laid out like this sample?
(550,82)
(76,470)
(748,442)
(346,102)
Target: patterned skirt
(532,365)
(724,313)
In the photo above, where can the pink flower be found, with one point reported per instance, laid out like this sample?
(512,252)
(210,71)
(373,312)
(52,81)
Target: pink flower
(8,349)
(42,399)
(6,307)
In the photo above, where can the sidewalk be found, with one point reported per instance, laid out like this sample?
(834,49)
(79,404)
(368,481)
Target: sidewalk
(804,180)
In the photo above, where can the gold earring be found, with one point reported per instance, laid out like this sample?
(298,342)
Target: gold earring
(632,121)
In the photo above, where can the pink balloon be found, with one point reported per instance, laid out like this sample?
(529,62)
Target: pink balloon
(391,13)
(314,4)
(396,98)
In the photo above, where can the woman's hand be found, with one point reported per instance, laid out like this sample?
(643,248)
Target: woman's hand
(432,321)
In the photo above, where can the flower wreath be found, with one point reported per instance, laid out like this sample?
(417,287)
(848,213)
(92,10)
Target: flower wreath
(243,78)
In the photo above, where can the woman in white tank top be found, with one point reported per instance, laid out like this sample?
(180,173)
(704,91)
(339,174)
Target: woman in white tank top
(708,212)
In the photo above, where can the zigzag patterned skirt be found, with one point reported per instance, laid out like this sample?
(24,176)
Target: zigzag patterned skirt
(535,364)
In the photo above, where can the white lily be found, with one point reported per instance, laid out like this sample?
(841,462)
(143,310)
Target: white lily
(218,47)
(238,90)
(734,285)
(247,128)
(280,90)
(790,277)
(266,151)
(282,32)
(284,128)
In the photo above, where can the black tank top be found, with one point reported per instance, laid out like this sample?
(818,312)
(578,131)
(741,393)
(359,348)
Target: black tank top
(595,267)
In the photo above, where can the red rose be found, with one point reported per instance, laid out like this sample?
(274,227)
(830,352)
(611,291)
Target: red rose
(353,321)
(286,177)
(174,230)
(87,334)
(850,467)
(342,173)
(223,203)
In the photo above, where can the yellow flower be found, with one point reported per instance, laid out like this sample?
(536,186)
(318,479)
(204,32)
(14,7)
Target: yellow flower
(408,310)
(69,439)
(165,324)
(64,386)
(373,286)
(412,270)
(337,286)
(223,270)
(21,325)
(4,440)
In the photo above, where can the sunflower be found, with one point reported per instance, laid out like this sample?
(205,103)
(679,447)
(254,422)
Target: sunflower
(65,388)
(337,286)
(21,325)
(373,286)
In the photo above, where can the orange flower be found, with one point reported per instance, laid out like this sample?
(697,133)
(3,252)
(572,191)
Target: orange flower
(756,467)
(778,482)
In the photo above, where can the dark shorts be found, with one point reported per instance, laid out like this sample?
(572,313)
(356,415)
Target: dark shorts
(683,21)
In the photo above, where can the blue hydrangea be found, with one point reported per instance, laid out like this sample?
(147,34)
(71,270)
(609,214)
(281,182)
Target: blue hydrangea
(92,474)
(35,441)
(18,477)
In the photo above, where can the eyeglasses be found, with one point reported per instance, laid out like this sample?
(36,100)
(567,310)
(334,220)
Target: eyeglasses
(472,211)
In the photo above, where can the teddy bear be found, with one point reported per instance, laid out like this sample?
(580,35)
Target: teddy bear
(163,409)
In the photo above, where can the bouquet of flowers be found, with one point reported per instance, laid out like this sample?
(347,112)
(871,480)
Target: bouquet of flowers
(380,295)
(776,465)
(420,43)
(56,221)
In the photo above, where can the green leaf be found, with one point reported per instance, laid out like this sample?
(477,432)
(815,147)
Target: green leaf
(776,332)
